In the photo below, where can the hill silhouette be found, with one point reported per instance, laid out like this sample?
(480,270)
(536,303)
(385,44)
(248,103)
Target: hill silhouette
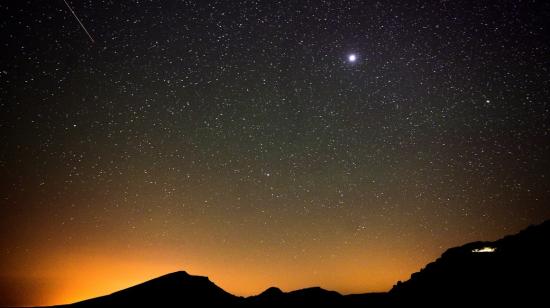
(509,271)
(177,289)
(310,297)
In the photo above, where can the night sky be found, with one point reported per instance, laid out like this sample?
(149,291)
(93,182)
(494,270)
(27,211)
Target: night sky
(264,143)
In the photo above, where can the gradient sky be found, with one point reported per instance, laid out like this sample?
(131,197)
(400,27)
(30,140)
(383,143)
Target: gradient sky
(236,140)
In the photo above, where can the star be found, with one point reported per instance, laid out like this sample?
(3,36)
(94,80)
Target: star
(352,57)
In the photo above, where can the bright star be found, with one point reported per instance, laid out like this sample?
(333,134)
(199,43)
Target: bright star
(352,58)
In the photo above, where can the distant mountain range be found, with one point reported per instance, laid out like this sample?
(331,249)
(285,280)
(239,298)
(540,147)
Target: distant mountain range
(512,271)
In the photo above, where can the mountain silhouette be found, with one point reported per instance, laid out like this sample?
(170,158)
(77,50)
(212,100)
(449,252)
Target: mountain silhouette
(509,271)
(310,297)
(177,289)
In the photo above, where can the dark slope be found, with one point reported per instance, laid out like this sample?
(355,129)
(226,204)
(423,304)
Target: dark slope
(515,272)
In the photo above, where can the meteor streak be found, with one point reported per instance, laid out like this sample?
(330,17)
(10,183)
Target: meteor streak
(80,22)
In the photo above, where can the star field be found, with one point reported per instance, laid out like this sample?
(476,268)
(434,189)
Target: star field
(290,143)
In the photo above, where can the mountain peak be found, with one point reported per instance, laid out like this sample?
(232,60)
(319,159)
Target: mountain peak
(271,291)
(173,289)
(181,273)
(178,274)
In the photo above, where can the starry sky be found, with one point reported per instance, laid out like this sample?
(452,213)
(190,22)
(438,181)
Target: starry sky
(264,143)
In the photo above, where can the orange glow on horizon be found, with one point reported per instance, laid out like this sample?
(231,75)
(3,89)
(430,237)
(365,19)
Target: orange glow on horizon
(76,277)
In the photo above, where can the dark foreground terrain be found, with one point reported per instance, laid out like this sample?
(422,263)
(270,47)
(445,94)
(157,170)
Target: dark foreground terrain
(512,271)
